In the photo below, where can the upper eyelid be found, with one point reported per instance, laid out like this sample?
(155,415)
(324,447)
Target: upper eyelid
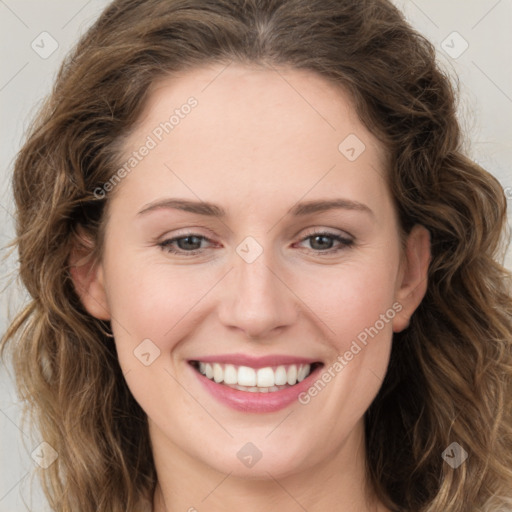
(310,231)
(328,232)
(314,232)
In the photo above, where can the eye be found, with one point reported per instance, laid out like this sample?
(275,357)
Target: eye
(324,242)
(191,244)
(188,244)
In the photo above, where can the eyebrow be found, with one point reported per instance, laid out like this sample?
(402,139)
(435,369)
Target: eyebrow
(213,210)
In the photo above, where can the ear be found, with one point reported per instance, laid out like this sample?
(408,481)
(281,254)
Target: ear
(87,276)
(413,275)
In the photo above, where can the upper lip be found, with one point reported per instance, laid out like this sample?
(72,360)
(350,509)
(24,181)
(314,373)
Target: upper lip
(255,362)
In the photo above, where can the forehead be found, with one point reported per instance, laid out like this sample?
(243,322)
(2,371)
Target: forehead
(261,128)
(253,96)
(247,97)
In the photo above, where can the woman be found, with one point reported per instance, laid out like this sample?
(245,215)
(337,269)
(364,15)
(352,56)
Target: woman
(263,274)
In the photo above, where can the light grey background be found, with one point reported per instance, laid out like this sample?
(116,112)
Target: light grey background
(484,70)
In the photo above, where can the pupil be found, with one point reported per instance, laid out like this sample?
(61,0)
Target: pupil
(185,243)
(325,239)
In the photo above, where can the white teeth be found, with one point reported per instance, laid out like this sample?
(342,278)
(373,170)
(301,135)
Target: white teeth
(292,375)
(280,376)
(246,376)
(265,377)
(218,374)
(302,373)
(256,389)
(230,374)
(261,380)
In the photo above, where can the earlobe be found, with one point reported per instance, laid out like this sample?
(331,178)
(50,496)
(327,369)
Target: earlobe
(87,276)
(413,277)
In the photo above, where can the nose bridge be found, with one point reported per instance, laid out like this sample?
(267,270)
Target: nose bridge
(258,301)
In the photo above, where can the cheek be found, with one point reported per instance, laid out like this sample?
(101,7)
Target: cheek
(153,306)
(358,309)
(352,299)
(154,301)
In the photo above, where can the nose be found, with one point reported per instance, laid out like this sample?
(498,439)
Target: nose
(256,300)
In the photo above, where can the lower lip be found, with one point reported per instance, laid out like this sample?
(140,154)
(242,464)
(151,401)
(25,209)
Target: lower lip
(256,402)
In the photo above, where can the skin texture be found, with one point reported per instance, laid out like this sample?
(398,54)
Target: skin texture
(258,142)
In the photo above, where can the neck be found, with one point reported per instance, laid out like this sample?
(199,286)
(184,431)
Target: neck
(340,484)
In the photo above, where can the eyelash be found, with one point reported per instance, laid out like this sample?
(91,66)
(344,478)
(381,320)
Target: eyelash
(166,245)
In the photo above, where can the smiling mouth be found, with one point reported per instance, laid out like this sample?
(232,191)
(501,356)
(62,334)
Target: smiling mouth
(268,379)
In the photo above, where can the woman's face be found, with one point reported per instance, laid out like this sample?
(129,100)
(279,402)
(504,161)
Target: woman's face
(254,240)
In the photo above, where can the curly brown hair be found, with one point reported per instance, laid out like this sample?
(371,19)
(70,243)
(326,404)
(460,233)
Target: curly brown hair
(450,374)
